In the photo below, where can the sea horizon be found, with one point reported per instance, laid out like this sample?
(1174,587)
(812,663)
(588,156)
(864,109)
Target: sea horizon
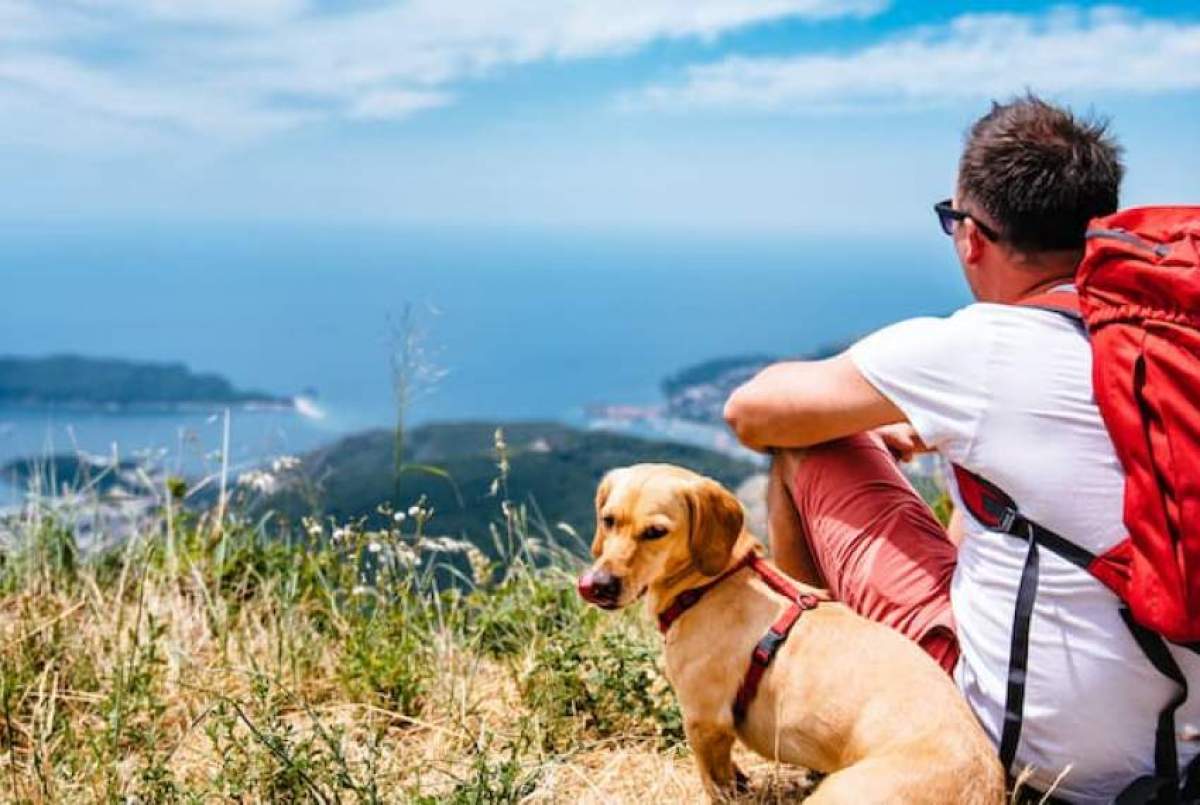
(515,325)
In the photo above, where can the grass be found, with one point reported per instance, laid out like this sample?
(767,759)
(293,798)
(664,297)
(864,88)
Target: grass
(211,657)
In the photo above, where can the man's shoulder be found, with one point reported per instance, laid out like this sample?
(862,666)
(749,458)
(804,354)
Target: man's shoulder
(964,326)
(980,323)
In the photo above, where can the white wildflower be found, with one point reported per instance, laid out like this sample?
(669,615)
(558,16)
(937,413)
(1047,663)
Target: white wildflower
(415,511)
(405,555)
(399,517)
(443,545)
(374,547)
(341,534)
(481,568)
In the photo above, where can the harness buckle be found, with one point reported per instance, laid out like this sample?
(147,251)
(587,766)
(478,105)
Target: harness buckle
(766,648)
(1008,519)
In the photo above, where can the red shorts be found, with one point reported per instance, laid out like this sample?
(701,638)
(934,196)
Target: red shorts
(875,541)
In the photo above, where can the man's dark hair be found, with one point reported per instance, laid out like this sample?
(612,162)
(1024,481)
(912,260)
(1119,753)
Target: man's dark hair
(1040,173)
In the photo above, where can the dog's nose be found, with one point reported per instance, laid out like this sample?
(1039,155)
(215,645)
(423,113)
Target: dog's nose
(600,587)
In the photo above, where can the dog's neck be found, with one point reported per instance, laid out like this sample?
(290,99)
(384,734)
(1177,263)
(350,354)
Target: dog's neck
(661,593)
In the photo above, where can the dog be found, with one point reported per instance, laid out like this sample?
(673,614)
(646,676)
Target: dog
(842,695)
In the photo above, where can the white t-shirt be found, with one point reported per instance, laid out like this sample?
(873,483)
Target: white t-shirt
(1006,392)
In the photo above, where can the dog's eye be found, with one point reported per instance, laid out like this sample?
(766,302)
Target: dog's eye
(609,521)
(654,532)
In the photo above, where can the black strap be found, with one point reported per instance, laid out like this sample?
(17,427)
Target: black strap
(1163,787)
(997,511)
(1191,786)
(1018,656)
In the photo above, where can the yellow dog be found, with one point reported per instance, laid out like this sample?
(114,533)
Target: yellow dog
(842,695)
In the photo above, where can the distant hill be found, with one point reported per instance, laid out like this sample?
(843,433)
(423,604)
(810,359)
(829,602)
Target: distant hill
(554,470)
(553,465)
(75,380)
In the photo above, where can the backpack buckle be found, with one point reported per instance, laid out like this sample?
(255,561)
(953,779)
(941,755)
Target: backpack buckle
(1008,519)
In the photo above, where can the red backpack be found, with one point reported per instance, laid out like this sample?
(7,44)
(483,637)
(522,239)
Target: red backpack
(1139,291)
(1138,295)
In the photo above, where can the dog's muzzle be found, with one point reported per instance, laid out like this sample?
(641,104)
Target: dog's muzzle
(601,588)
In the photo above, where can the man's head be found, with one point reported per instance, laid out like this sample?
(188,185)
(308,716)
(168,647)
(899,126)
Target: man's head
(1030,178)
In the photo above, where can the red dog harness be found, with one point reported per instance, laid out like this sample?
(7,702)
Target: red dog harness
(769,645)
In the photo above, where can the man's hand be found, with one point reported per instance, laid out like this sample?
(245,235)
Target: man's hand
(902,440)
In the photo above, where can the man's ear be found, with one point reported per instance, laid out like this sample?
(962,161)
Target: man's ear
(974,243)
(716,522)
(602,493)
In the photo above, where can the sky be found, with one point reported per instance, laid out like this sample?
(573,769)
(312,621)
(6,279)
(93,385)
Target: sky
(839,118)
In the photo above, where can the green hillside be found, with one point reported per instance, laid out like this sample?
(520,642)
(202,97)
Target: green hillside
(554,469)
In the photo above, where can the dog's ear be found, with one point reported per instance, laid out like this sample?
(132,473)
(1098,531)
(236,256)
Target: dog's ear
(716,522)
(602,493)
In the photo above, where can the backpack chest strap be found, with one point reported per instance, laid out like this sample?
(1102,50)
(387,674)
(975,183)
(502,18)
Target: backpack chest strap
(996,511)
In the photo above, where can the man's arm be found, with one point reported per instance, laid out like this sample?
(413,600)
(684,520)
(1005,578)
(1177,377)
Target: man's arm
(802,403)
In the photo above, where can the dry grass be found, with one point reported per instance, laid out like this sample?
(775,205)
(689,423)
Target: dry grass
(212,658)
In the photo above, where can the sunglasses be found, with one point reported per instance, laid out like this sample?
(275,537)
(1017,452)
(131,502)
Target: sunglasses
(948,217)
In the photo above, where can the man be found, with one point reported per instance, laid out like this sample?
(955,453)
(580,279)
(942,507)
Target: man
(1006,391)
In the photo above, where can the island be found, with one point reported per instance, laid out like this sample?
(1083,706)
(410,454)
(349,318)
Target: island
(697,393)
(77,381)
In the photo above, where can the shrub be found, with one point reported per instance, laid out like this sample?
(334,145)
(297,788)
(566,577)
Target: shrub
(388,660)
(601,683)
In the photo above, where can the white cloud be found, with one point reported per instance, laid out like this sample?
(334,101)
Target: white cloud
(396,104)
(238,69)
(974,56)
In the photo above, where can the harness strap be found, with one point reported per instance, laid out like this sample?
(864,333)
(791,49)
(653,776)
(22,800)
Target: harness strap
(763,654)
(689,598)
(767,647)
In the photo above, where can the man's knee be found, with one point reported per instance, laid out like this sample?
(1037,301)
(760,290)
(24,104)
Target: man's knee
(785,491)
(786,464)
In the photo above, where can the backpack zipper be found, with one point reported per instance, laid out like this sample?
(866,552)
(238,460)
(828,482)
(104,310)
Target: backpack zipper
(1161,249)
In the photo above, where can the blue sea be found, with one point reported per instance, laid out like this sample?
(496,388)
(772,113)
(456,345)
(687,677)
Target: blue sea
(520,324)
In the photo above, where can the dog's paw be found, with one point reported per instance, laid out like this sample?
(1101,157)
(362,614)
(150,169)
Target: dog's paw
(741,783)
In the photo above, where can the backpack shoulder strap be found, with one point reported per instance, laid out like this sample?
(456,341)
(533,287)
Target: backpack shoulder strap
(1062,299)
(996,511)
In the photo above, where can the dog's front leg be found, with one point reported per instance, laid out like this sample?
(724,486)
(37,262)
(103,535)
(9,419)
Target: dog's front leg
(712,745)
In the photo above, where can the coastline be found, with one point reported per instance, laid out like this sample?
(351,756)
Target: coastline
(50,406)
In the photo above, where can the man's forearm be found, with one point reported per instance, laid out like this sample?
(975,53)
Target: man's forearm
(802,403)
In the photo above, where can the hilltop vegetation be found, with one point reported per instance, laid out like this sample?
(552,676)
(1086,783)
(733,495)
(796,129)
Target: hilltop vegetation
(554,470)
(219,656)
(75,380)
